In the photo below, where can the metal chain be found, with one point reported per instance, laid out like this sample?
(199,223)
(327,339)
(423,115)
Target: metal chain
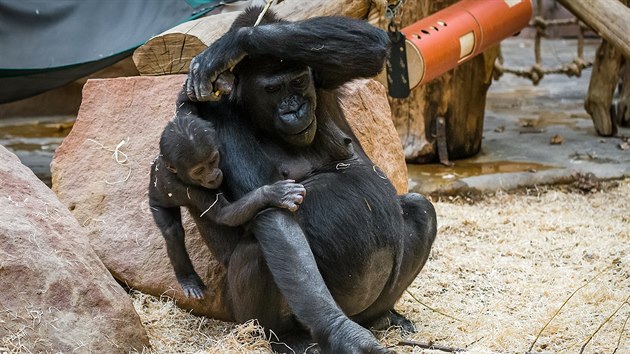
(394,9)
(393,13)
(537,71)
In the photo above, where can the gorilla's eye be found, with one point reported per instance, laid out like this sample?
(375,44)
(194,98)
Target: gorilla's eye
(272,88)
(298,82)
(197,171)
(213,158)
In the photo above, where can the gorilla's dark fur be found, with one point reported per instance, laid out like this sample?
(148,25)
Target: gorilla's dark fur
(339,264)
(187,174)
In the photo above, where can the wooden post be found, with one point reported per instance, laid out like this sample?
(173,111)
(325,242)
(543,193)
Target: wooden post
(459,96)
(623,105)
(604,79)
(609,18)
(601,88)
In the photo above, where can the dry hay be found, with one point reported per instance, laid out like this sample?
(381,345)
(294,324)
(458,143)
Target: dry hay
(501,266)
(173,330)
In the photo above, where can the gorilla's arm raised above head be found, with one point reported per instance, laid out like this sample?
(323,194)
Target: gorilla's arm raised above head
(338,49)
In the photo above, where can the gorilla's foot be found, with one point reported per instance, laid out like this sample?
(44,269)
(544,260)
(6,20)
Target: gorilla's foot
(347,336)
(192,285)
(393,318)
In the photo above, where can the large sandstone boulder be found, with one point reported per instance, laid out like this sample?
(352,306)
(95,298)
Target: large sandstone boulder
(101,172)
(57,296)
(365,104)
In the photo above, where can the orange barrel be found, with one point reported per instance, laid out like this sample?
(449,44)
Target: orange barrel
(451,36)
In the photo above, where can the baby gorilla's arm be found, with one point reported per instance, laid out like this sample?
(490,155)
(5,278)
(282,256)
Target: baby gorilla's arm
(282,194)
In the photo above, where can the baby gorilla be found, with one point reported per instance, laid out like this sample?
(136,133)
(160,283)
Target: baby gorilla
(186,173)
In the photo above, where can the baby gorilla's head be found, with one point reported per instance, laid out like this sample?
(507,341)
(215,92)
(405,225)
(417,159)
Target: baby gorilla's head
(188,148)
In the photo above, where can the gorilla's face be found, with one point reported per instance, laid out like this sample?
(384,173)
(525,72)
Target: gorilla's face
(189,150)
(281,100)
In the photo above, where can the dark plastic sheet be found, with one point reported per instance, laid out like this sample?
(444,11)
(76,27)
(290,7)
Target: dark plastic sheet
(48,43)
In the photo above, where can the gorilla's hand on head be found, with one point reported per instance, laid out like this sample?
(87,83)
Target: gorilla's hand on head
(209,76)
(338,49)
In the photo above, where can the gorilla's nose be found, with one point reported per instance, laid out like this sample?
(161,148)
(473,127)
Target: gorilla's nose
(290,104)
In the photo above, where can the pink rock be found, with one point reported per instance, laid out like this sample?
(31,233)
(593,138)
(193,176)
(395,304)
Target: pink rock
(109,197)
(57,296)
(366,108)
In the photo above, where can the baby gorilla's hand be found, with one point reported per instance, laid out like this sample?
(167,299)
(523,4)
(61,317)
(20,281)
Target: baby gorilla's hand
(286,194)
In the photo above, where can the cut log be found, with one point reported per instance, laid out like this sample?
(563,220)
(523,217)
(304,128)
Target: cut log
(171,52)
(609,18)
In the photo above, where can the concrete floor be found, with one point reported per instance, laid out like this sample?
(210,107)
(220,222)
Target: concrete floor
(520,121)
(34,140)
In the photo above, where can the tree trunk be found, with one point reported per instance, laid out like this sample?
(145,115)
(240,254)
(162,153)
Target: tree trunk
(459,96)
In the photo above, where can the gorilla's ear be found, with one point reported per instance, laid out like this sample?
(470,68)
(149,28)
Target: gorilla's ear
(171,168)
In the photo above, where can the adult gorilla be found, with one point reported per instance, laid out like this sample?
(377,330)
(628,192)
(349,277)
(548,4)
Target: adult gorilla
(341,262)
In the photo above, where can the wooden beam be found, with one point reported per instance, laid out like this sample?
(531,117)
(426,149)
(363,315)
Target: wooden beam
(609,18)
(171,51)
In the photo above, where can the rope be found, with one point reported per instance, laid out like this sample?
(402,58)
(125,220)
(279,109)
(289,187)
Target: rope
(538,71)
